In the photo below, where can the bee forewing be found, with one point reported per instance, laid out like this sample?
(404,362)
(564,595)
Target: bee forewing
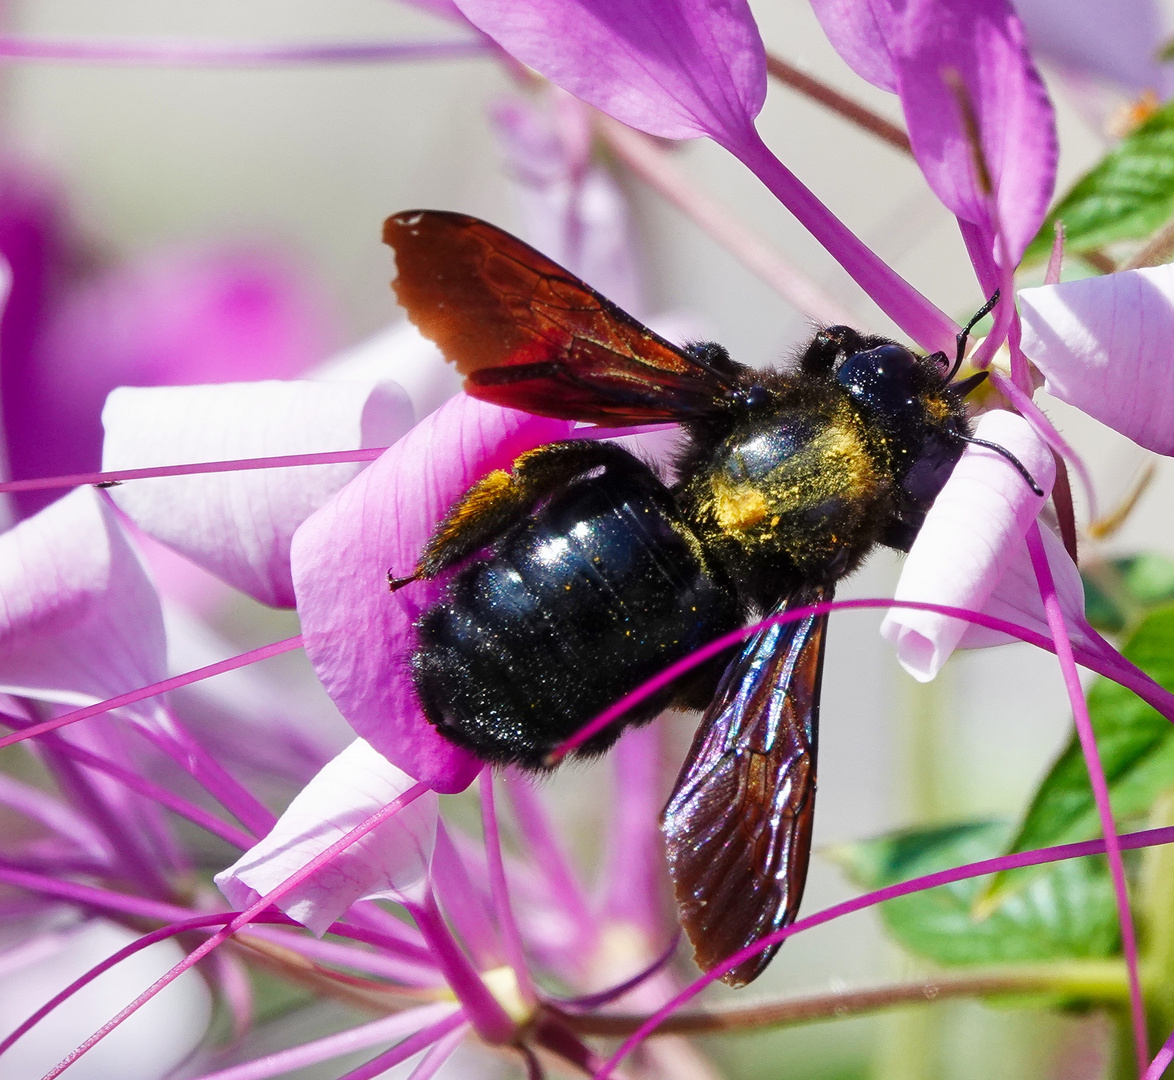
(738,824)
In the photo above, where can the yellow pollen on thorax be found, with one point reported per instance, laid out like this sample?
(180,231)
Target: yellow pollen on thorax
(936,409)
(738,508)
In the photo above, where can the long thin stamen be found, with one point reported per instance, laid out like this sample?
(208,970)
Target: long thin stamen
(109,479)
(320,860)
(133,696)
(180,52)
(1111,666)
(175,803)
(1040,857)
(1096,776)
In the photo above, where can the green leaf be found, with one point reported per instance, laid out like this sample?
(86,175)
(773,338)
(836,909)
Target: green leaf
(1136,745)
(1067,912)
(1119,592)
(1125,197)
(1148,578)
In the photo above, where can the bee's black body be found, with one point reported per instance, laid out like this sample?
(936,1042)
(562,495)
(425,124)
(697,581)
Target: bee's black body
(604,576)
(578,575)
(570,608)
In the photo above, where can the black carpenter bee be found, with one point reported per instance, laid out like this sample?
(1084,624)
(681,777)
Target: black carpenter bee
(583,574)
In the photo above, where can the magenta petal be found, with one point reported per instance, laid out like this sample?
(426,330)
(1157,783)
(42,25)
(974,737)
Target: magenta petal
(79,620)
(679,70)
(1104,346)
(982,43)
(853,30)
(391,860)
(239,525)
(357,634)
(969,538)
(174,317)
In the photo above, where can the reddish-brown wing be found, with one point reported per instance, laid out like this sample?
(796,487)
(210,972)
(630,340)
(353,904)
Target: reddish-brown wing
(738,824)
(526,333)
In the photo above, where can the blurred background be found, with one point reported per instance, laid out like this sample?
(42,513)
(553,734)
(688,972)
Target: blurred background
(144,175)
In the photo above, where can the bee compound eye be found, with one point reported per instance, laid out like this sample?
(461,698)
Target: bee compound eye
(882,379)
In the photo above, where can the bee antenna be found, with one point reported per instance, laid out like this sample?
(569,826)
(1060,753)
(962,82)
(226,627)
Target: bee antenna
(1005,453)
(964,333)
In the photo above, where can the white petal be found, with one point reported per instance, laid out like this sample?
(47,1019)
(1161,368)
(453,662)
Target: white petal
(1017,597)
(402,353)
(1104,345)
(391,860)
(79,619)
(969,538)
(238,525)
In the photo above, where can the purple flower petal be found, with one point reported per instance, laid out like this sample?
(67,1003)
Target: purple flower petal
(357,634)
(391,860)
(969,538)
(1103,344)
(677,70)
(852,28)
(983,44)
(239,525)
(1072,34)
(79,620)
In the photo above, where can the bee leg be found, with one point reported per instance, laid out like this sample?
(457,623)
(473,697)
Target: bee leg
(502,498)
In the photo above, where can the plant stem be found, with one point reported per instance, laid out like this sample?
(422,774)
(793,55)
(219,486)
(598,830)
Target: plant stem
(655,167)
(1155,903)
(1091,981)
(839,103)
(1158,249)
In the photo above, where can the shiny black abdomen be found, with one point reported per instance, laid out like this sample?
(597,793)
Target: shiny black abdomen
(569,610)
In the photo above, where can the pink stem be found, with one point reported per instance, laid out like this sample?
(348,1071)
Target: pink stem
(343,1042)
(479,1005)
(546,852)
(1047,431)
(282,461)
(174,683)
(406,1049)
(1096,776)
(1119,670)
(912,312)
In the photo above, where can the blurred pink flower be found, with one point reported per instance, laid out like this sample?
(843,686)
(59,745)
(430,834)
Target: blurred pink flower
(74,329)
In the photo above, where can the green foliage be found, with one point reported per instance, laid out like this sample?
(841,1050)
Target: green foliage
(1067,912)
(1119,592)
(1127,196)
